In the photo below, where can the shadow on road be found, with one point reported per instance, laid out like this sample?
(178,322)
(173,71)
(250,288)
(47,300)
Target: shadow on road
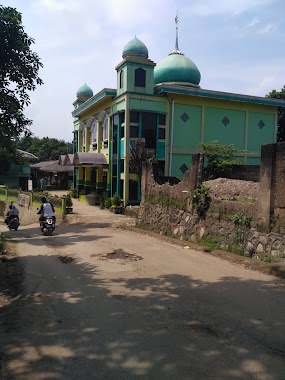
(80,326)
(34,236)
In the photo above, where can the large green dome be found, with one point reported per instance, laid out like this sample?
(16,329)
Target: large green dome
(84,91)
(177,68)
(135,47)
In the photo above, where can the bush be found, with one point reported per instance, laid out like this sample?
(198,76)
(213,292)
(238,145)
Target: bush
(73,192)
(81,192)
(101,200)
(108,203)
(69,202)
(219,157)
(97,199)
(116,200)
(201,200)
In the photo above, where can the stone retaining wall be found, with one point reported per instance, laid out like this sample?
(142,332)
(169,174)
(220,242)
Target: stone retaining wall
(186,224)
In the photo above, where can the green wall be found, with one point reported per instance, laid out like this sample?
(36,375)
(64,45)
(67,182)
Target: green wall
(257,135)
(120,106)
(148,105)
(232,133)
(186,134)
(246,129)
(177,161)
(130,69)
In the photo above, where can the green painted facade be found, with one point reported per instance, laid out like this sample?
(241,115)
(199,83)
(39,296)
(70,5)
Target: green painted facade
(172,117)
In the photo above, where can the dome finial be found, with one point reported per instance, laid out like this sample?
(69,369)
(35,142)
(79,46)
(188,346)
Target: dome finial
(176,42)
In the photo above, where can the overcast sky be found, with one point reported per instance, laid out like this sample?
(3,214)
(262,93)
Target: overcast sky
(238,46)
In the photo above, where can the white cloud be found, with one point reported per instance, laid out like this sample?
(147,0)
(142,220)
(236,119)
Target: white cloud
(232,7)
(252,23)
(267,28)
(257,79)
(62,5)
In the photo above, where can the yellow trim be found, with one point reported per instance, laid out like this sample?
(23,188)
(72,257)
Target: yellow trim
(221,103)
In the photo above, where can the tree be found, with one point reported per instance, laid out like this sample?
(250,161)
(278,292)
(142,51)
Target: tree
(46,149)
(138,155)
(281,113)
(219,157)
(19,67)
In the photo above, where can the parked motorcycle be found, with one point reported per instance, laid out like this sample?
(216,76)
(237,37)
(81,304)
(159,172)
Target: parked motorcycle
(47,226)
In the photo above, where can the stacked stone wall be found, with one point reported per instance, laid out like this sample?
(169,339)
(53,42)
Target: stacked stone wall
(219,221)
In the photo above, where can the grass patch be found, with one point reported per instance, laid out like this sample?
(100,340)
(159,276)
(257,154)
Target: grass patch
(213,243)
(210,242)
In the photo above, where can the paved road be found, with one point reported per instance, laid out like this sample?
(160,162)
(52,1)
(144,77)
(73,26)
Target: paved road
(102,303)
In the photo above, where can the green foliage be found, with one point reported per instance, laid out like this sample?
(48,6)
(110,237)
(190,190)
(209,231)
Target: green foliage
(73,191)
(166,201)
(242,225)
(241,220)
(219,157)
(13,193)
(46,149)
(281,113)
(213,243)
(102,200)
(138,155)
(116,200)
(210,242)
(108,202)
(69,202)
(19,67)
(201,200)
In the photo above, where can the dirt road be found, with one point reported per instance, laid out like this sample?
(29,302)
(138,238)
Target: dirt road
(101,303)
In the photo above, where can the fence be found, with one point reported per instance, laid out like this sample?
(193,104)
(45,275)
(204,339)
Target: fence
(30,199)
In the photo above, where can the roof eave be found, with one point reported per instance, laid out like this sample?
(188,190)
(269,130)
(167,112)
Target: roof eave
(95,99)
(166,88)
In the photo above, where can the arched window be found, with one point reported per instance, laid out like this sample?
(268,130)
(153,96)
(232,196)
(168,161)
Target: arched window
(94,130)
(140,77)
(121,79)
(105,129)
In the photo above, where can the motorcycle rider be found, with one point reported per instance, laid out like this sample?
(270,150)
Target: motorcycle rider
(46,210)
(12,212)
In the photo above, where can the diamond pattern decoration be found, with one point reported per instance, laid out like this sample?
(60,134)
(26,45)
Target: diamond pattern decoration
(225,121)
(184,117)
(183,168)
(261,124)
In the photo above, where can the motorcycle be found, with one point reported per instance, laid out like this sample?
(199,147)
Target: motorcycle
(47,226)
(13,223)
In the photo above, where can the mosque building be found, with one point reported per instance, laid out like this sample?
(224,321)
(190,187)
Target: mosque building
(163,104)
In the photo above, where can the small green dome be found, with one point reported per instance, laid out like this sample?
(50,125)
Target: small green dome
(177,68)
(135,47)
(84,91)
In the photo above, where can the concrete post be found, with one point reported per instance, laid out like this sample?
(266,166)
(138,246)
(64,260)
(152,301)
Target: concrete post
(266,186)
(195,173)
(143,181)
(63,205)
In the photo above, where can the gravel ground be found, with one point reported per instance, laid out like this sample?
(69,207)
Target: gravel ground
(224,188)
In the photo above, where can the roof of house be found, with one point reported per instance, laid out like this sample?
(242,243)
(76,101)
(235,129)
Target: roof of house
(27,155)
(52,166)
